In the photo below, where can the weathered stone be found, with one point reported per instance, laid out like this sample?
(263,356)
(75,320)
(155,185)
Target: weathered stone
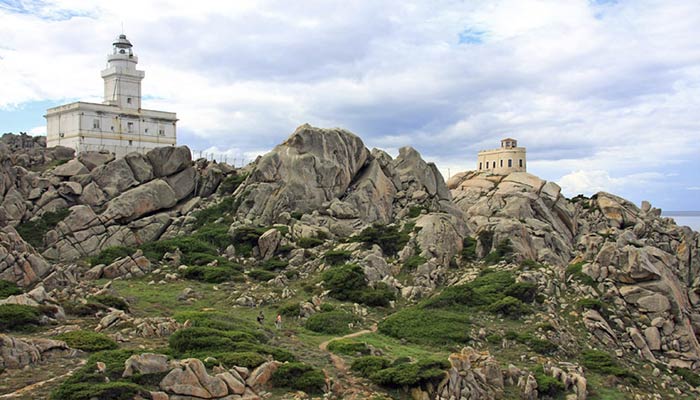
(146,363)
(114,178)
(182,183)
(262,374)
(268,243)
(140,166)
(167,161)
(93,159)
(71,168)
(145,199)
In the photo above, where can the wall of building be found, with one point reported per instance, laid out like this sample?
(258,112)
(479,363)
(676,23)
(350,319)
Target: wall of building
(502,161)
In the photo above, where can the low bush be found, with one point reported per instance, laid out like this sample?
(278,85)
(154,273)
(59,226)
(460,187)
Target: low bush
(602,362)
(333,322)
(414,262)
(348,347)
(245,238)
(540,346)
(529,264)
(18,317)
(424,326)
(289,309)
(88,340)
(547,385)
(299,376)
(411,374)
(229,184)
(575,271)
(692,378)
(212,274)
(378,296)
(593,304)
(8,288)
(189,246)
(214,234)
(468,249)
(79,309)
(201,339)
(246,359)
(214,213)
(261,275)
(414,211)
(508,307)
(336,257)
(368,365)
(220,321)
(33,231)
(110,301)
(108,255)
(388,237)
(309,242)
(274,264)
(345,282)
(523,291)
(94,390)
(502,252)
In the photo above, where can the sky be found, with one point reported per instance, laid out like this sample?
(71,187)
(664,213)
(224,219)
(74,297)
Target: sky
(605,95)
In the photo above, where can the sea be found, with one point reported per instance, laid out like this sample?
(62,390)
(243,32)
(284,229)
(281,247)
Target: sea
(688,218)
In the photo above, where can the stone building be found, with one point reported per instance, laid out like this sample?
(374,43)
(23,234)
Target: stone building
(509,158)
(118,125)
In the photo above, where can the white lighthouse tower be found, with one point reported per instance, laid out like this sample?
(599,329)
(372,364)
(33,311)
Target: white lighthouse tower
(118,125)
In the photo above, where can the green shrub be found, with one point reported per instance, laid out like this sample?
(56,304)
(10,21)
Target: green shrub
(486,239)
(108,255)
(309,242)
(345,282)
(102,390)
(214,234)
(212,214)
(523,291)
(502,252)
(296,214)
(299,376)
(247,359)
(212,274)
(547,385)
(348,347)
(604,363)
(326,307)
(336,257)
(494,338)
(261,275)
(688,375)
(424,326)
(529,264)
(575,271)
(111,301)
(414,262)
(468,249)
(219,321)
(274,264)
(414,211)
(593,304)
(201,339)
(411,374)
(508,307)
(88,340)
(388,237)
(33,231)
(18,317)
(229,184)
(540,346)
(79,309)
(368,365)
(378,296)
(189,246)
(333,322)
(289,309)
(245,238)
(8,289)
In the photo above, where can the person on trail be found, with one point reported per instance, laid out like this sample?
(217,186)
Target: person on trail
(261,318)
(278,321)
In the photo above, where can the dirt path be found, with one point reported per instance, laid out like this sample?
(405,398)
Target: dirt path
(348,386)
(30,388)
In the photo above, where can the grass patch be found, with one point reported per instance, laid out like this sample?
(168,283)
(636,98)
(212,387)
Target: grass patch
(604,363)
(18,317)
(33,231)
(348,347)
(332,322)
(299,376)
(425,326)
(88,340)
(214,274)
(8,289)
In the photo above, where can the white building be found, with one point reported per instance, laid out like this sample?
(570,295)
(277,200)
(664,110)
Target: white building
(119,124)
(509,158)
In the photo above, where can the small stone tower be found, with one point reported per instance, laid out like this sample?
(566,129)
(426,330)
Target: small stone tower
(509,158)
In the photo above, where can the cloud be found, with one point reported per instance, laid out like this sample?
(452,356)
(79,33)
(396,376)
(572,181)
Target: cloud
(598,91)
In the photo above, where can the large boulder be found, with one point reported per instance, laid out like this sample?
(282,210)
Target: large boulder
(71,168)
(18,352)
(169,160)
(137,202)
(140,166)
(191,379)
(93,159)
(114,178)
(146,363)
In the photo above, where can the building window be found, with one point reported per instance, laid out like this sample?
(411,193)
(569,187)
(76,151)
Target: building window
(479,165)
(161,132)
(487,165)
(146,130)
(521,163)
(510,163)
(131,142)
(96,123)
(112,128)
(130,126)
(501,163)
(128,100)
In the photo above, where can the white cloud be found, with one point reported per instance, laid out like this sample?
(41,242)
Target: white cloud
(597,92)
(38,131)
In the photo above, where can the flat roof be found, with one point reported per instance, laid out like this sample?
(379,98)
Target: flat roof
(112,109)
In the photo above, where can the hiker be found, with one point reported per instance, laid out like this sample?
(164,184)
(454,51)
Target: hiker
(261,318)
(278,321)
